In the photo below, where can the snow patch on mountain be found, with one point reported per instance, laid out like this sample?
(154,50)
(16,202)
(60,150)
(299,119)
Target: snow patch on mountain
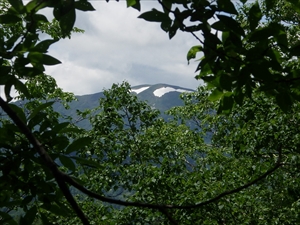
(161,91)
(139,90)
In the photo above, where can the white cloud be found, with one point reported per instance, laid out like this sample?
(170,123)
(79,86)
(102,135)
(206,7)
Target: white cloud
(118,46)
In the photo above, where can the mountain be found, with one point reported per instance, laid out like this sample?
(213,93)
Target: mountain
(159,96)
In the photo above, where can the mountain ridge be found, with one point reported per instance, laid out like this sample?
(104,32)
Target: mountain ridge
(160,96)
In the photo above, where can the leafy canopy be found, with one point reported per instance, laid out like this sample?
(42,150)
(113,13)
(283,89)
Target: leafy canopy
(230,155)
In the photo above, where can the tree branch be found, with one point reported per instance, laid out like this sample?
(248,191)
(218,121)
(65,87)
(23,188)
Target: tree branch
(58,175)
(62,178)
(72,182)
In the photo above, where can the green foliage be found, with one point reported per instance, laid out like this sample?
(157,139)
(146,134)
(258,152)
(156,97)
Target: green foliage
(257,48)
(230,155)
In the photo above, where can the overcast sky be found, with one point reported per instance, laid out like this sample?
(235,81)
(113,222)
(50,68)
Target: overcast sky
(117,46)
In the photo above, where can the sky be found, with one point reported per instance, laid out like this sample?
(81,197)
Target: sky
(117,46)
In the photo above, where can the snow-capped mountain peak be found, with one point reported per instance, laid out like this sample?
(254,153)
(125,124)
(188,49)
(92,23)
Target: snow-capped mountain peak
(139,90)
(158,90)
(163,90)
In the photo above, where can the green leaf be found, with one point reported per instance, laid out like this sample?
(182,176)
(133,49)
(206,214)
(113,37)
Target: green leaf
(226,103)
(215,95)
(56,209)
(173,29)
(219,25)
(284,101)
(7,219)
(40,18)
(17,5)
(295,50)
(9,19)
(134,4)
(270,4)
(86,162)
(261,34)
(155,16)
(67,22)
(166,25)
(40,58)
(239,96)
(67,162)
(59,127)
(29,216)
(39,109)
(4,76)
(231,24)
(78,144)
(227,6)
(225,82)
(45,219)
(61,142)
(262,71)
(193,52)
(84,5)
(21,87)
(255,15)
(167,5)
(49,60)
(43,46)
(19,112)
(36,5)
(7,89)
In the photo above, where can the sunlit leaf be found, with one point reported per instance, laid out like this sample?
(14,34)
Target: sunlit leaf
(215,95)
(193,52)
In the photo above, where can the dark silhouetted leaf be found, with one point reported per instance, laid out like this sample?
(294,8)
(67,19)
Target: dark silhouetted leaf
(9,19)
(43,46)
(154,16)
(17,5)
(19,111)
(227,6)
(39,109)
(67,162)
(255,15)
(84,5)
(67,21)
(78,144)
(37,57)
(86,162)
